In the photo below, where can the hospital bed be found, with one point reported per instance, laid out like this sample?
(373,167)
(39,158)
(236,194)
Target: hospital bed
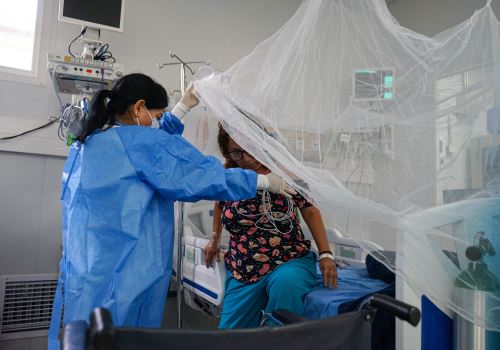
(204,287)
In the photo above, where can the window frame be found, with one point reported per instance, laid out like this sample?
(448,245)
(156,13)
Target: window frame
(33,76)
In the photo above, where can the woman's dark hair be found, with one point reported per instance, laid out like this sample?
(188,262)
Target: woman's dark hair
(223,140)
(127,90)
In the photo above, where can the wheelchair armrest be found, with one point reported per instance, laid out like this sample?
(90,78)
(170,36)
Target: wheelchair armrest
(288,317)
(74,336)
(401,310)
(101,329)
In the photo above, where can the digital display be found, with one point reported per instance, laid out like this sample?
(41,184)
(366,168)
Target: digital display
(94,13)
(375,85)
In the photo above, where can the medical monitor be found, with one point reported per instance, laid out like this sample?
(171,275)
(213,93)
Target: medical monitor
(99,14)
(373,84)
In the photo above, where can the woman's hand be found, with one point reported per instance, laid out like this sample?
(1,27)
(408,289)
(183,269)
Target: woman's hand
(211,249)
(189,98)
(275,184)
(329,271)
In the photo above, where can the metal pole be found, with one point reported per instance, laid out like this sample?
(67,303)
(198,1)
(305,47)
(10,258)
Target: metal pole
(183,76)
(180,232)
(180,220)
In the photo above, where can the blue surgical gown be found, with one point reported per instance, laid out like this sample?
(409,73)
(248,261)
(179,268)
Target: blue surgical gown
(118,193)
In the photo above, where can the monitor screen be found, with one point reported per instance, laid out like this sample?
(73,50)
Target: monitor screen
(98,14)
(374,84)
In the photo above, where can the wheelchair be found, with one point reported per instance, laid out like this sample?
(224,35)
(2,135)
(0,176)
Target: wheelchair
(349,331)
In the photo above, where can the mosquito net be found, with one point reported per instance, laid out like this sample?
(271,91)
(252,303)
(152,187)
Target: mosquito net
(394,136)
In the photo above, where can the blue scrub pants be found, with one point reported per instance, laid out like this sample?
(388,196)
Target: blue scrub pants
(284,288)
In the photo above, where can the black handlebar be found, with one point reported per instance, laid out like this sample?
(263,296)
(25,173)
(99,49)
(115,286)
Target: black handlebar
(101,328)
(398,308)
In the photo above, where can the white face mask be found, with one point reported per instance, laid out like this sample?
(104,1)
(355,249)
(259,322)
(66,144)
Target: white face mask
(155,124)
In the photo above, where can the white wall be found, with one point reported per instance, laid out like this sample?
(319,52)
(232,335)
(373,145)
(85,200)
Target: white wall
(430,17)
(29,213)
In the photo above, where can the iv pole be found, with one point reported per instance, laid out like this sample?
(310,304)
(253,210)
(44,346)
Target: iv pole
(180,219)
(183,65)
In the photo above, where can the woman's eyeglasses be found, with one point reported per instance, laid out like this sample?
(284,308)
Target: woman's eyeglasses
(237,155)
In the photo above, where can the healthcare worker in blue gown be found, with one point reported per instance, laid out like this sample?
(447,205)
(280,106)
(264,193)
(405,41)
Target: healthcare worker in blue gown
(120,181)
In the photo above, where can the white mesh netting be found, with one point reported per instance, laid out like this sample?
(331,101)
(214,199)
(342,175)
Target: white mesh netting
(392,133)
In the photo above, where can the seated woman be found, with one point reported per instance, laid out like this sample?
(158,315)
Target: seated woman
(269,262)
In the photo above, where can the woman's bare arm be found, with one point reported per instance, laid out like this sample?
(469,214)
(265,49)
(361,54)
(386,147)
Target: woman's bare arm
(313,219)
(212,248)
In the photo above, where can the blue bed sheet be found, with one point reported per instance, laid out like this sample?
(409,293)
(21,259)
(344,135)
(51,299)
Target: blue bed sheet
(353,283)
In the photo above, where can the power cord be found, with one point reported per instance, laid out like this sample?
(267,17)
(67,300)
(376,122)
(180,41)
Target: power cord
(72,116)
(75,39)
(103,54)
(52,120)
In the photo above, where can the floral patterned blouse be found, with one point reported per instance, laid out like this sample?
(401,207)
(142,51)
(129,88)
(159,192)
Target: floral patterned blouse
(257,246)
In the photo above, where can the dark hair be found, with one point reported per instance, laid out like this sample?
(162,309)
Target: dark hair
(223,140)
(127,90)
